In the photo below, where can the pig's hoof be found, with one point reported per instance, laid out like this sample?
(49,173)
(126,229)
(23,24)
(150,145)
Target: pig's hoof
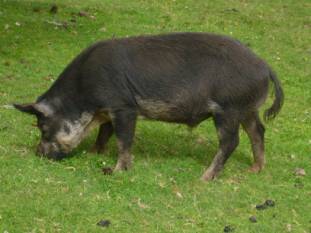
(93,149)
(122,166)
(97,150)
(208,176)
(255,168)
(101,151)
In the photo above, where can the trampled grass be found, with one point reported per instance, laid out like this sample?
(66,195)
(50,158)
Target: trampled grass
(162,193)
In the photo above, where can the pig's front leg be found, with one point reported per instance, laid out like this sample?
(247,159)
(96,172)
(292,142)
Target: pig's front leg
(124,123)
(104,134)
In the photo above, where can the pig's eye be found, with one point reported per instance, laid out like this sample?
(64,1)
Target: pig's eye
(67,128)
(44,128)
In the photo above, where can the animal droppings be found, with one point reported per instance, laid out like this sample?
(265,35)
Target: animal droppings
(229,228)
(261,207)
(253,219)
(104,223)
(270,203)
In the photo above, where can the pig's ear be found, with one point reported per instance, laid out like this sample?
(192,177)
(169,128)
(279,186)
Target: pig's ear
(27,108)
(38,109)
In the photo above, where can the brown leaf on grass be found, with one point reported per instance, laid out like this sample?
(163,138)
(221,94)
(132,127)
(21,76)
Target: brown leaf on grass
(63,24)
(300,172)
(142,205)
(70,168)
(83,14)
(162,184)
(172,180)
(177,192)
(103,29)
(201,140)
(179,195)
(86,14)
(49,78)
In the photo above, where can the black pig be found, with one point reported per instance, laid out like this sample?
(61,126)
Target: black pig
(181,78)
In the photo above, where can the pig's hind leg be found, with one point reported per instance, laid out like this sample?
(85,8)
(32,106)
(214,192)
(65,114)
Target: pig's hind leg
(124,123)
(255,131)
(227,126)
(104,134)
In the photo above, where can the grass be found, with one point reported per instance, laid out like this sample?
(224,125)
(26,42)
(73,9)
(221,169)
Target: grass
(162,193)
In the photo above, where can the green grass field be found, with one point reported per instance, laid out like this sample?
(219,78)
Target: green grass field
(162,193)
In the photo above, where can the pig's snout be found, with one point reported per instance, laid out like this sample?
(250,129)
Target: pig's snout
(50,150)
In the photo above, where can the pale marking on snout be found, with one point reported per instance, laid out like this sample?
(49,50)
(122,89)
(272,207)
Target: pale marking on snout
(46,147)
(79,129)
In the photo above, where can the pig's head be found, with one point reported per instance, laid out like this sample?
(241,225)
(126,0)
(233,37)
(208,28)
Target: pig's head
(59,133)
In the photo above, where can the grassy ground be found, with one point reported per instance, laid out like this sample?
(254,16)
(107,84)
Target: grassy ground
(163,192)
